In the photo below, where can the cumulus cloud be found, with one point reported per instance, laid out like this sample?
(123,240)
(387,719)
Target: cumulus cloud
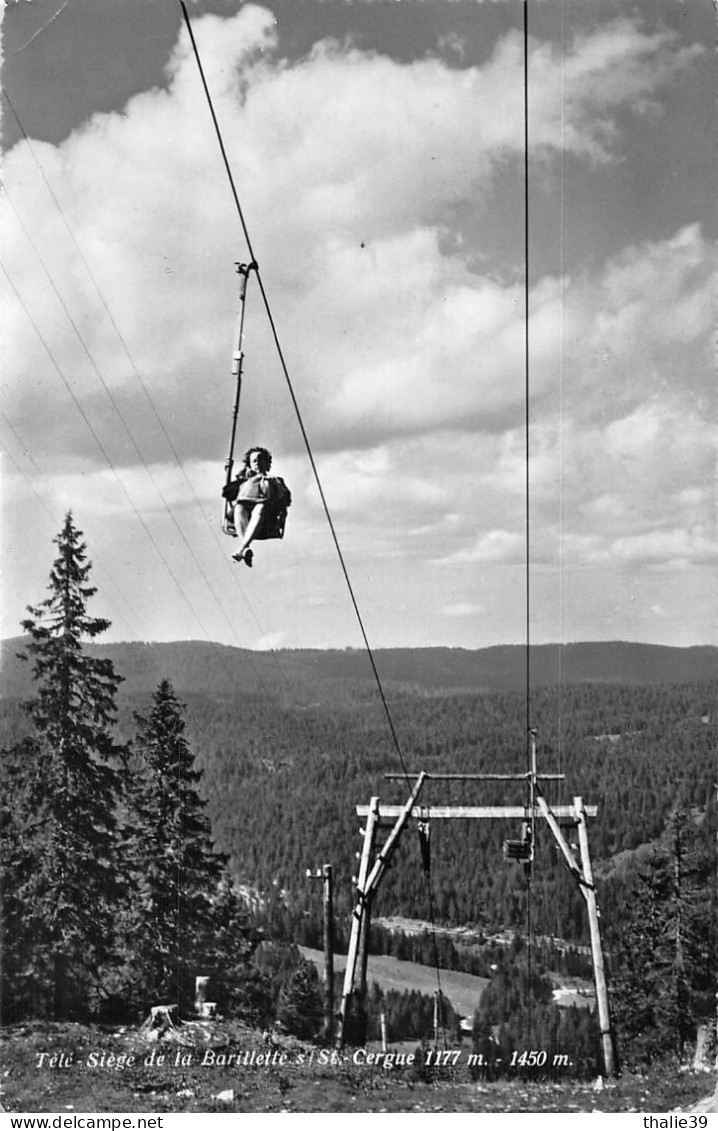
(619,65)
(315,154)
(407,359)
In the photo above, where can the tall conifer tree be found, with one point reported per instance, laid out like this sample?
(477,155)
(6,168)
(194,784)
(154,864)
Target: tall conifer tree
(187,920)
(61,831)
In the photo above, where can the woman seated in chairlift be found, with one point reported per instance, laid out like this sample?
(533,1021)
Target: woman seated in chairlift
(253,489)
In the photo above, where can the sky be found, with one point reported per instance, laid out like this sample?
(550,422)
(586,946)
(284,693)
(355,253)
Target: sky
(377,149)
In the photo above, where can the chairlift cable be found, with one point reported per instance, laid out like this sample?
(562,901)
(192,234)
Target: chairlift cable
(292,394)
(530,739)
(558,764)
(310,454)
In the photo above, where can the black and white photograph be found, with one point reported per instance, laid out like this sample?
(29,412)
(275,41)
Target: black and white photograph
(359,580)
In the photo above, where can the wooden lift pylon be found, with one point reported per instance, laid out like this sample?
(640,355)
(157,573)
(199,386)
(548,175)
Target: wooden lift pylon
(372,867)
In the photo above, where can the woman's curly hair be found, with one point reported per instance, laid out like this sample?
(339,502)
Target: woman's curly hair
(261,451)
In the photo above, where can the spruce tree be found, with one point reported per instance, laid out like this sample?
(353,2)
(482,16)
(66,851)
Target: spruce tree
(186,920)
(667,977)
(63,861)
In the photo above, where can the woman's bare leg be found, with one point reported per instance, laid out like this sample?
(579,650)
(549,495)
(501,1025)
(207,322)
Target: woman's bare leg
(248,526)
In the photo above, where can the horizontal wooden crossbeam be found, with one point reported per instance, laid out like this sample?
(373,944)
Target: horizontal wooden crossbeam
(478,777)
(389,813)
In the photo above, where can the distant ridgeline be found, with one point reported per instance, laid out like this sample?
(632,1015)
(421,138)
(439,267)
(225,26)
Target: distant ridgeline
(291,741)
(219,670)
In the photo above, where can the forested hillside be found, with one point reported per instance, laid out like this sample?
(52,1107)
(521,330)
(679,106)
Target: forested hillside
(283,773)
(283,786)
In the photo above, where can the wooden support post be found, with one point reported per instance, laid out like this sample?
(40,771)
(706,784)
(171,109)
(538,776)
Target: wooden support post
(325,874)
(599,973)
(439,1029)
(328,954)
(372,818)
(366,887)
(363,953)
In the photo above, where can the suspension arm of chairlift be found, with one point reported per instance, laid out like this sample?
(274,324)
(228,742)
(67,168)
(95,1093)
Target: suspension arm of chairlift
(384,856)
(569,858)
(243,270)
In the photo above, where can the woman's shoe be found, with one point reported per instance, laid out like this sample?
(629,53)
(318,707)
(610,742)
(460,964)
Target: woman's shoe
(246,556)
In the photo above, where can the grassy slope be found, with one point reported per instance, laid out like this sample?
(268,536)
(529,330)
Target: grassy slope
(463,990)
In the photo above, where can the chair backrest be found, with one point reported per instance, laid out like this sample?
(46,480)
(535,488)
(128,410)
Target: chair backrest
(275,515)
